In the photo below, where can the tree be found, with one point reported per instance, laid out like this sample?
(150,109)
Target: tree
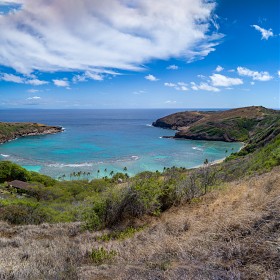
(207,175)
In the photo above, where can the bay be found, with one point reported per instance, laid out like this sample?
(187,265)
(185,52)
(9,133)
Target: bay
(101,141)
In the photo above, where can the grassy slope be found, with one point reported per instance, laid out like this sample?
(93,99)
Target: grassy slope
(231,233)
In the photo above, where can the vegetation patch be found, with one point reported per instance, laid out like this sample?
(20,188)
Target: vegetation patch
(120,235)
(101,255)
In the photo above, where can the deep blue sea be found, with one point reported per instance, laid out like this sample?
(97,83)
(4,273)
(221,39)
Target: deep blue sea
(105,140)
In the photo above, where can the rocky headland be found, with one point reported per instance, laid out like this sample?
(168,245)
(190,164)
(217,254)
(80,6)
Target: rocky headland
(11,131)
(252,125)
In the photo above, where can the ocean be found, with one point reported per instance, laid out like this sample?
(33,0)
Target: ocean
(100,142)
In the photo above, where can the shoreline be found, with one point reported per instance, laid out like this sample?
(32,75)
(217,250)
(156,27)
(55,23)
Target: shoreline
(218,161)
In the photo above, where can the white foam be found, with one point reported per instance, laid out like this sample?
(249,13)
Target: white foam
(61,165)
(135,157)
(149,125)
(5,156)
(197,148)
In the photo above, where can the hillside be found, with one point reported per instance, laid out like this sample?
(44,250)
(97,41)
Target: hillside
(250,124)
(11,131)
(218,221)
(231,233)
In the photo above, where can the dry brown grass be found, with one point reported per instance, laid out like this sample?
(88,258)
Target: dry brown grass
(231,233)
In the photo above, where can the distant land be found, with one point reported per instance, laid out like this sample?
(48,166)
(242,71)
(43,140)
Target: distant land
(11,131)
(248,124)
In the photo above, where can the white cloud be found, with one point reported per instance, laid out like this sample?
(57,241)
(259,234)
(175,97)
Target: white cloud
(21,80)
(33,90)
(214,22)
(170,85)
(139,92)
(204,86)
(181,86)
(86,35)
(170,102)
(279,73)
(94,76)
(252,83)
(205,48)
(172,67)
(151,78)
(219,68)
(8,2)
(61,83)
(34,98)
(257,76)
(79,78)
(11,78)
(219,80)
(265,33)
(36,82)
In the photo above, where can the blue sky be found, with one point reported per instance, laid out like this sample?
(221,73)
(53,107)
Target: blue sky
(139,54)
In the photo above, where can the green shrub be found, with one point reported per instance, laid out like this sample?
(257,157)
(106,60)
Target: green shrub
(40,178)
(119,176)
(23,214)
(10,171)
(91,220)
(120,235)
(100,255)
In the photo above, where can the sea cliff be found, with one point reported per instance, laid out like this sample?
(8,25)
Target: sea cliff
(11,131)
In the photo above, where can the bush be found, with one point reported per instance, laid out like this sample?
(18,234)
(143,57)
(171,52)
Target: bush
(23,214)
(91,220)
(120,235)
(101,255)
(10,171)
(40,178)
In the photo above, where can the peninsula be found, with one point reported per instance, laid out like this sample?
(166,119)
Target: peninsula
(11,131)
(254,125)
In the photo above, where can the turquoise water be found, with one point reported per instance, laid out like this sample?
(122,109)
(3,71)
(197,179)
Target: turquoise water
(105,140)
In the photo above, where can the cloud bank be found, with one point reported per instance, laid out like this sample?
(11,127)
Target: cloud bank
(94,35)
